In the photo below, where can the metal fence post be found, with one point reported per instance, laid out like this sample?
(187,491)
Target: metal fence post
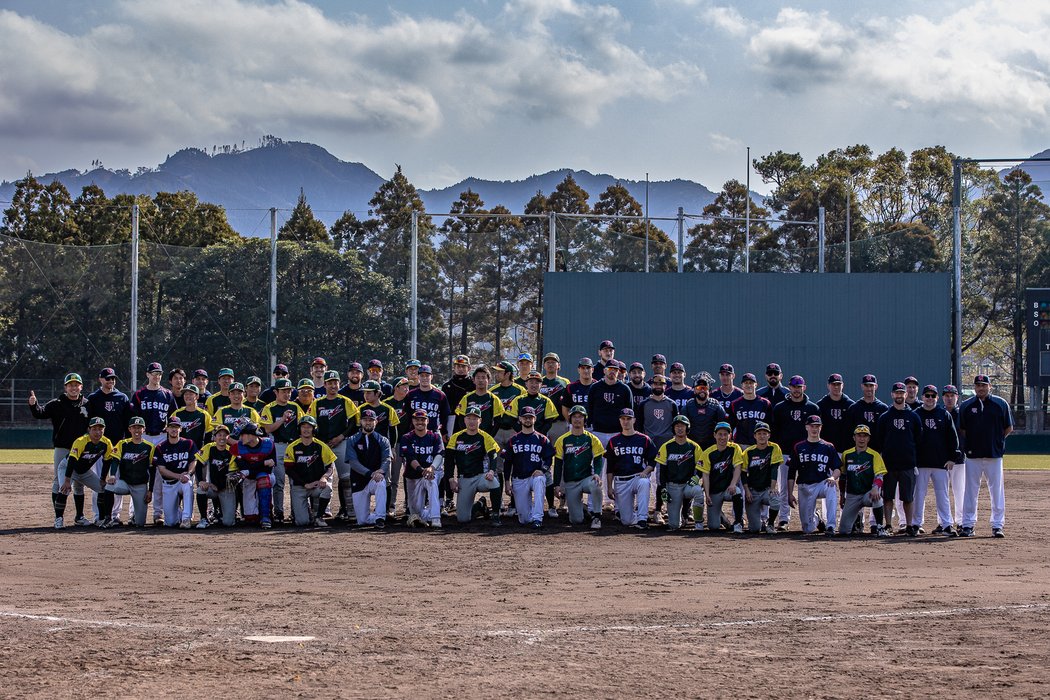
(415,283)
(820,239)
(134,325)
(552,241)
(272,344)
(681,239)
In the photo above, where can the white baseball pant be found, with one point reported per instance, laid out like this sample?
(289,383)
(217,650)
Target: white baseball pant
(808,494)
(991,468)
(632,498)
(174,512)
(528,498)
(940,478)
(957,482)
(363,502)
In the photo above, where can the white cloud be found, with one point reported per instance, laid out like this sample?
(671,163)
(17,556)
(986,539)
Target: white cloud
(179,72)
(728,19)
(721,143)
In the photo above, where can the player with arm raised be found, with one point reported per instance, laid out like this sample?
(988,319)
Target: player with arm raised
(68,414)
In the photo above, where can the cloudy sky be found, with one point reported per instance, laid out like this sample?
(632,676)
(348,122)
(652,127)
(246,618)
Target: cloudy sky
(503,89)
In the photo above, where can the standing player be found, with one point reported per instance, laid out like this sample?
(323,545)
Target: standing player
(196,424)
(578,469)
(679,391)
(911,393)
(773,391)
(430,399)
(236,415)
(490,405)
(280,420)
(679,460)
(113,406)
(747,411)
(632,458)
(606,401)
(653,417)
(529,453)
(177,382)
(833,407)
(659,365)
(727,392)
(175,459)
(217,401)
(864,471)
(985,422)
(354,378)
(304,394)
(130,471)
(200,380)
(368,455)
(255,459)
(421,453)
(280,371)
(762,462)
(77,468)
(154,404)
(897,438)
(525,366)
(309,464)
(867,410)
(552,386)
(790,418)
(459,385)
(386,425)
(575,393)
(938,455)
(68,414)
(816,466)
(606,355)
(215,467)
(253,394)
(318,368)
(544,411)
(720,469)
(957,477)
(704,413)
(375,373)
(336,417)
(470,459)
(506,390)
(398,400)
(637,384)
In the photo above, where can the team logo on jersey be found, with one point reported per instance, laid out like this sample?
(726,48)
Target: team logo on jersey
(575,450)
(468,447)
(898,423)
(109,406)
(931,423)
(722,466)
(796,415)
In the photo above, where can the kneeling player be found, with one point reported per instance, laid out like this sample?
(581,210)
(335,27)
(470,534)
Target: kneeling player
(214,464)
(309,464)
(816,465)
(761,461)
(421,454)
(76,468)
(470,459)
(720,468)
(632,459)
(680,459)
(864,469)
(131,472)
(578,469)
(368,454)
(175,459)
(530,454)
(255,458)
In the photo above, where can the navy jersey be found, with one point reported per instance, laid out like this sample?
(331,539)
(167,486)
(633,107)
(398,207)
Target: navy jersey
(939,441)
(983,422)
(774,396)
(640,393)
(744,413)
(355,394)
(433,402)
(175,457)
(422,449)
(864,413)
(153,406)
(114,408)
(837,429)
(789,420)
(604,403)
(575,395)
(528,453)
(896,438)
(630,454)
(680,396)
(726,398)
(813,462)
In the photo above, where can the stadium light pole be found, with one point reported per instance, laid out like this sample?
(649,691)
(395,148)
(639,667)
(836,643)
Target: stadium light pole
(272,343)
(957,272)
(552,228)
(849,198)
(747,215)
(820,239)
(134,296)
(647,222)
(415,283)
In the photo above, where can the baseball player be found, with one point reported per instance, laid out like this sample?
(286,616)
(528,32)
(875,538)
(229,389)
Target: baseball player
(957,477)
(897,436)
(176,383)
(575,393)
(631,460)
(196,423)
(530,454)
(113,406)
(412,373)
(200,380)
(640,389)
(68,414)
(304,394)
(545,413)
(253,394)
(525,366)
(938,454)
(398,400)
(430,399)
(215,480)
(309,464)
(985,421)
(130,471)
(280,420)
(375,373)
(222,398)
(553,386)
(237,414)
(490,404)
(659,365)
(470,459)
(866,411)
(337,419)
(606,400)
(368,454)
(911,393)
(653,417)
(762,462)
(703,412)
(679,392)
(816,466)
(864,471)
(773,391)
(506,389)
(421,453)
(459,385)
(386,425)
(154,404)
(77,468)
(606,355)
(833,407)
(355,376)
(280,371)
(578,469)
(720,469)
(175,460)
(318,368)
(679,461)
(255,457)
(726,393)
(748,410)
(790,418)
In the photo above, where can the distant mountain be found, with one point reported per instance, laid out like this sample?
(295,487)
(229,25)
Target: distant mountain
(248,182)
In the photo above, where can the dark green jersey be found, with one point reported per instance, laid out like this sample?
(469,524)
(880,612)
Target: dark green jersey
(490,405)
(258,404)
(575,455)
(306,464)
(861,470)
(546,412)
(760,466)
(404,424)
(274,413)
(132,463)
(335,417)
(507,394)
(721,464)
(470,455)
(679,462)
(235,418)
(214,465)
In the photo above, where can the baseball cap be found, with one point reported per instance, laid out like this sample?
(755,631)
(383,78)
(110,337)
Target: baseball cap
(677,367)
(107,373)
(420,413)
(797,380)
(220,426)
(253,380)
(226,372)
(534,375)
(280,369)
(153,367)
(192,388)
(869,379)
(200,373)
(528,411)
(250,428)
(814,420)
(835,378)
(371,385)
(282,383)
(761,425)
(457,360)
(637,365)
(308,419)
(172,420)
(525,356)
(898,386)
(658,358)
(728,368)
(306,384)
(578,409)
(236,386)
(425,369)
(614,365)
(621,365)
(681,419)
(551,356)
(399,381)
(862,430)
(701,380)
(982,379)
(929,388)
(749,377)
(355,367)
(949,389)
(331,374)
(606,344)
(318,361)
(911,380)
(503,366)
(137,420)
(375,364)
(73,377)
(628,412)
(473,411)
(722,425)
(96,421)
(773,368)
(368,413)
(413,363)
(586,362)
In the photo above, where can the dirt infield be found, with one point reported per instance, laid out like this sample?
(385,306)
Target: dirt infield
(473,612)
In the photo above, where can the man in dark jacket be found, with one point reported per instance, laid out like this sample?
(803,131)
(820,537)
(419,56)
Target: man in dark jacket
(938,455)
(897,435)
(68,414)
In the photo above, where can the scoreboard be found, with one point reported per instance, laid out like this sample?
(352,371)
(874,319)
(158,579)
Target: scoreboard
(1037,322)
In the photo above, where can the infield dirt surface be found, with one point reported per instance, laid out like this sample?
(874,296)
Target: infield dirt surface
(476,612)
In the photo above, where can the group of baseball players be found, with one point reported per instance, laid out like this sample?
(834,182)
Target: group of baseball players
(612,440)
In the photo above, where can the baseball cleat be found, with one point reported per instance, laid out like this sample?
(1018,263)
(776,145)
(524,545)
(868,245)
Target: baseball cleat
(436,522)
(266,525)
(821,526)
(949,532)
(641,525)
(380,523)
(939,530)
(510,512)
(496,522)
(81,521)
(881,531)
(997,532)
(319,522)
(202,525)
(158,520)
(551,513)
(536,524)
(829,531)
(698,526)
(59,523)
(921,530)
(413,521)
(658,518)
(966,532)
(102,524)
(875,529)
(186,524)
(913,531)
(738,528)
(770,530)
(596,522)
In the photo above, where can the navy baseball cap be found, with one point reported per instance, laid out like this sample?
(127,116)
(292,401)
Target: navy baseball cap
(280,369)
(318,361)
(420,413)
(898,386)
(773,368)
(748,377)
(797,380)
(200,373)
(153,367)
(761,425)
(677,367)
(911,380)
(172,420)
(726,369)
(949,389)
(372,364)
(929,389)
(814,420)
(107,373)
(658,358)
(627,413)
(982,379)
(528,411)
(534,375)
(368,413)
(869,379)
(835,378)
(606,344)
(722,425)
(425,369)
(637,365)
(586,362)
(355,366)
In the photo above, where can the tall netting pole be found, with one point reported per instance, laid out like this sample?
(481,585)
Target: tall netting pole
(681,239)
(415,283)
(552,229)
(132,378)
(820,239)
(957,273)
(272,344)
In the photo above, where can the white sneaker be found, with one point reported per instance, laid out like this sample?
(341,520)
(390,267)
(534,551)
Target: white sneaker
(552,513)
(186,524)
(202,525)
(738,528)
(319,522)
(658,518)
(81,522)
(699,526)
(511,511)
(59,523)
(436,522)
(596,522)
